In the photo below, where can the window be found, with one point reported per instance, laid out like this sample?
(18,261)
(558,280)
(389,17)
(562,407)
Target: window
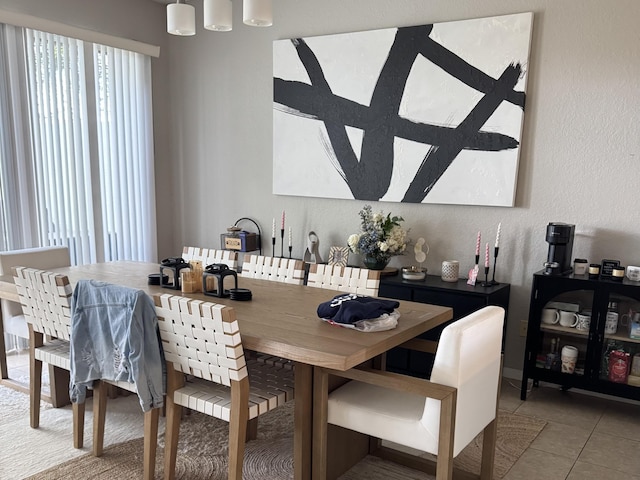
(86,177)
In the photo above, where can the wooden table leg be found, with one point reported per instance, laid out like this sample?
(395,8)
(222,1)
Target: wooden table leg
(320,395)
(303,412)
(4,371)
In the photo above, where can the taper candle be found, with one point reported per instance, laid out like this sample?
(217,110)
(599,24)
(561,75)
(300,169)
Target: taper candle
(498,235)
(478,244)
(289,236)
(273,229)
(486,256)
(282,226)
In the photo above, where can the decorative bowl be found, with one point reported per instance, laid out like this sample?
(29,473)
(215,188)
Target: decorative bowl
(414,273)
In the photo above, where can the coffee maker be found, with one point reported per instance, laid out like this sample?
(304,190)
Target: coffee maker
(560,239)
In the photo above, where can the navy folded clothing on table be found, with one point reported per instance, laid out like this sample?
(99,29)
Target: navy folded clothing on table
(350,308)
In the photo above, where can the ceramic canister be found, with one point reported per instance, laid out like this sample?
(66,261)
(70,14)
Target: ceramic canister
(450,270)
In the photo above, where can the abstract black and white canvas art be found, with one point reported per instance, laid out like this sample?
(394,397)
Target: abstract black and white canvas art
(422,114)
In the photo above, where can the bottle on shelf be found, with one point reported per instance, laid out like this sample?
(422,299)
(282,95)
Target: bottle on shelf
(611,324)
(552,361)
(551,355)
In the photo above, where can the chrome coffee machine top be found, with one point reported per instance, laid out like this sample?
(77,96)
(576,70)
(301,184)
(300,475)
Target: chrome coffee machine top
(560,239)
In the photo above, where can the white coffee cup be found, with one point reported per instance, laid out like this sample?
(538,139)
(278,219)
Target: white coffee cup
(569,356)
(568,319)
(611,324)
(450,270)
(584,321)
(550,316)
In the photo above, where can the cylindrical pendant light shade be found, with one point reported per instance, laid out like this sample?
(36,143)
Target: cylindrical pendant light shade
(257,13)
(218,15)
(181,19)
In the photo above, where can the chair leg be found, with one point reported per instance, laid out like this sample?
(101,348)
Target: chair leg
(35,377)
(99,416)
(489,436)
(175,380)
(78,424)
(444,466)
(150,442)
(238,426)
(252,429)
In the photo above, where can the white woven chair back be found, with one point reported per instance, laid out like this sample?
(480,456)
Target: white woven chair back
(344,279)
(285,270)
(46,300)
(208,256)
(201,338)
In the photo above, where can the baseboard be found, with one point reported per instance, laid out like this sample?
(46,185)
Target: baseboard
(512,373)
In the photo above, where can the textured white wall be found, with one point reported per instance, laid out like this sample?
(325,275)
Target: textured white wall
(580,148)
(579,159)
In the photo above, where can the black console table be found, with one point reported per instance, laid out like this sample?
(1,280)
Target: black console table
(463,298)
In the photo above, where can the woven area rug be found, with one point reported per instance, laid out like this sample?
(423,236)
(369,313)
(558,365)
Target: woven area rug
(203,451)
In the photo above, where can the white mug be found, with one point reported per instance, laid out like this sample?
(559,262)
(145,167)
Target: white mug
(450,270)
(569,356)
(550,316)
(584,321)
(611,325)
(568,319)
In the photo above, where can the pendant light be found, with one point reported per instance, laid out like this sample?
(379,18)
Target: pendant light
(181,19)
(217,15)
(257,13)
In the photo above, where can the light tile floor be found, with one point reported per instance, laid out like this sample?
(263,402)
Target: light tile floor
(586,437)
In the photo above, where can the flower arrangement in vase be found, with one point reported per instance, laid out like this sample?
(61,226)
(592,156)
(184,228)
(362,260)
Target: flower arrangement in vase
(381,237)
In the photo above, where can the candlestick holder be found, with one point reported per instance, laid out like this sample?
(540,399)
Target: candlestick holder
(486,282)
(282,243)
(495,259)
(273,246)
(290,248)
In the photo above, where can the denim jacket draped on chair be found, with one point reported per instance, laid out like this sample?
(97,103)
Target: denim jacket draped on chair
(114,336)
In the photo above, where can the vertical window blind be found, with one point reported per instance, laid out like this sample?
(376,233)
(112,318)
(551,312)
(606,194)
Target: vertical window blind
(91,136)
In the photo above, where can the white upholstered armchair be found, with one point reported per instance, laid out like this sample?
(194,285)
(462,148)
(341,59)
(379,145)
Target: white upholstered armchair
(440,416)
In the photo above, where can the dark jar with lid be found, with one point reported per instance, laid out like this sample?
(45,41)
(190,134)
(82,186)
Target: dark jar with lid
(594,270)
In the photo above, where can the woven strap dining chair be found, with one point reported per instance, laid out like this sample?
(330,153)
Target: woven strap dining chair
(46,303)
(115,342)
(209,256)
(202,340)
(344,279)
(275,269)
(15,326)
(439,416)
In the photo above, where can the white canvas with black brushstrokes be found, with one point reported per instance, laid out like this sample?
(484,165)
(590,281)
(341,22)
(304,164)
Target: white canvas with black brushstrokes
(424,114)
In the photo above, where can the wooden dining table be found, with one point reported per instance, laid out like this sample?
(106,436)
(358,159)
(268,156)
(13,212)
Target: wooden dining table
(281,320)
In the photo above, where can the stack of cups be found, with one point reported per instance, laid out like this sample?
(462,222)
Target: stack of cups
(569,357)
